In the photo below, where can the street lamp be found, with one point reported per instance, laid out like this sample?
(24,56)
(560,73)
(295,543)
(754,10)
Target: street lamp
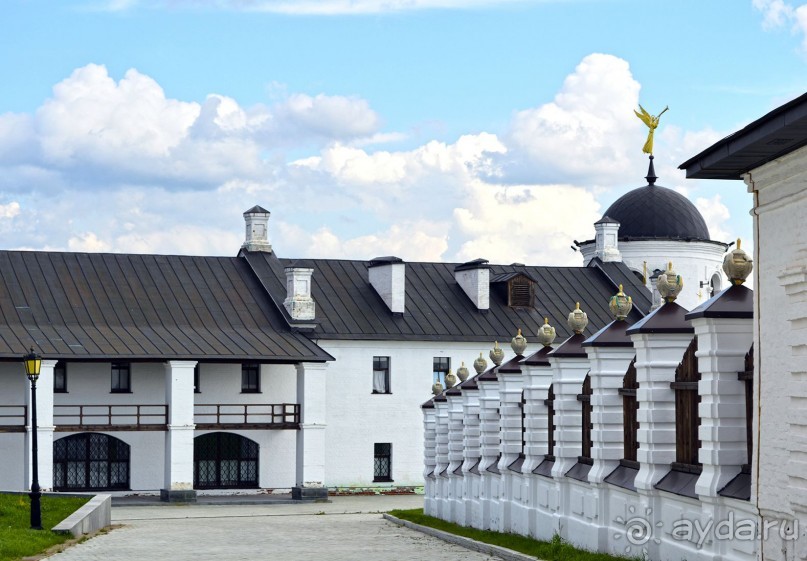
(33,363)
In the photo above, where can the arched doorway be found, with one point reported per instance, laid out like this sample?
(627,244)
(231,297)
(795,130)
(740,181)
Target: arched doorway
(90,461)
(223,460)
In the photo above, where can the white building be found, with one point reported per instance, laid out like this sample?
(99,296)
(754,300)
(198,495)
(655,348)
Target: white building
(652,225)
(679,436)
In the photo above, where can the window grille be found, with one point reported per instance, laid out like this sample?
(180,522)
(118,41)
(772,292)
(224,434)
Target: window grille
(587,426)
(90,462)
(223,460)
(382,462)
(550,423)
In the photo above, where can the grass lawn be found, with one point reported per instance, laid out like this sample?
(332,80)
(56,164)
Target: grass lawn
(555,550)
(16,537)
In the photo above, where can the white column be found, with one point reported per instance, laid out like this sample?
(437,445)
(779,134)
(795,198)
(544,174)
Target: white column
(44,421)
(568,374)
(722,346)
(657,357)
(455,457)
(429,458)
(511,384)
(441,455)
(311,394)
(180,431)
(471,454)
(538,379)
(490,449)
(608,368)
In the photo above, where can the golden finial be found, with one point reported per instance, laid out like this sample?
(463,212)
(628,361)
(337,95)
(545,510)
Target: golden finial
(546,321)
(652,123)
(577,306)
(669,266)
(739,243)
(644,273)
(620,287)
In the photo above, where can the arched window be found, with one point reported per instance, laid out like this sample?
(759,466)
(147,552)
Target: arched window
(715,284)
(223,460)
(90,462)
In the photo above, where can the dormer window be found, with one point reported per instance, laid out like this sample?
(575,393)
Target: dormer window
(519,292)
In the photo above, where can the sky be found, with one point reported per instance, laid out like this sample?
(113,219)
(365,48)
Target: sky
(433,130)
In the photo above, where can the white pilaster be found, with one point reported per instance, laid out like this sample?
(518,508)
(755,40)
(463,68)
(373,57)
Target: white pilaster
(180,431)
(455,456)
(722,346)
(44,421)
(490,449)
(568,374)
(429,459)
(311,394)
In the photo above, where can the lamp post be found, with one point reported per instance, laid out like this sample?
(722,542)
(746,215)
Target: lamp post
(33,364)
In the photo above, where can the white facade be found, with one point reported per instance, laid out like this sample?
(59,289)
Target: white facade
(780,193)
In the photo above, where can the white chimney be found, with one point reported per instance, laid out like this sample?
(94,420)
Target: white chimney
(298,300)
(388,277)
(474,278)
(257,238)
(606,242)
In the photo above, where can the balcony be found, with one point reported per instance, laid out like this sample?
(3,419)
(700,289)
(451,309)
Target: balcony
(82,418)
(272,416)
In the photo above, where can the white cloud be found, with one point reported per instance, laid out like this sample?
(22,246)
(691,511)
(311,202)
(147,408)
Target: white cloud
(716,215)
(88,242)
(10,210)
(779,13)
(588,133)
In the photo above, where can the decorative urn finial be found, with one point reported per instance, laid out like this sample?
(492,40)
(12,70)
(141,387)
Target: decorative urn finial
(620,305)
(451,380)
(437,388)
(737,265)
(480,364)
(578,320)
(462,373)
(518,344)
(669,284)
(496,354)
(546,333)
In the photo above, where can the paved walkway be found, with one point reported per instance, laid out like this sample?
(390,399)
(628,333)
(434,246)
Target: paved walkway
(346,529)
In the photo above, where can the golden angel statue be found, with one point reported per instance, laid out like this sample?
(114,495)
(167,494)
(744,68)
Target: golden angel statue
(652,122)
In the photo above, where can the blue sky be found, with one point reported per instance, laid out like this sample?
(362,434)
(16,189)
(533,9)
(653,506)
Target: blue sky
(429,129)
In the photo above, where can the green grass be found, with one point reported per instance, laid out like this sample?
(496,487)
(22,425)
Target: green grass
(554,550)
(16,537)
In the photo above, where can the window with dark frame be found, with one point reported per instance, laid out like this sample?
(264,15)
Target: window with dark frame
(519,292)
(585,399)
(121,377)
(382,461)
(630,423)
(60,377)
(687,419)
(381,378)
(441,366)
(197,378)
(251,377)
(523,405)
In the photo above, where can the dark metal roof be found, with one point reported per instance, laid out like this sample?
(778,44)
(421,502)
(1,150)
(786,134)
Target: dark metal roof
(571,348)
(669,318)
(512,366)
(348,307)
(470,265)
(736,301)
(538,358)
(655,212)
(773,135)
(612,335)
(257,210)
(94,306)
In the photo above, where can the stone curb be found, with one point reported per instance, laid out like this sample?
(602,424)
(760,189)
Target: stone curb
(94,515)
(468,543)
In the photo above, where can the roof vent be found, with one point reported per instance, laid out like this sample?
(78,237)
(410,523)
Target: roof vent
(388,277)
(257,237)
(474,278)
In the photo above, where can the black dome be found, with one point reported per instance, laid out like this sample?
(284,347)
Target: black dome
(657,212)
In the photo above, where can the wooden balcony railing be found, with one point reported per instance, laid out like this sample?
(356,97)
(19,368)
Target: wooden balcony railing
(247,416)
(13,418)
(106,417)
